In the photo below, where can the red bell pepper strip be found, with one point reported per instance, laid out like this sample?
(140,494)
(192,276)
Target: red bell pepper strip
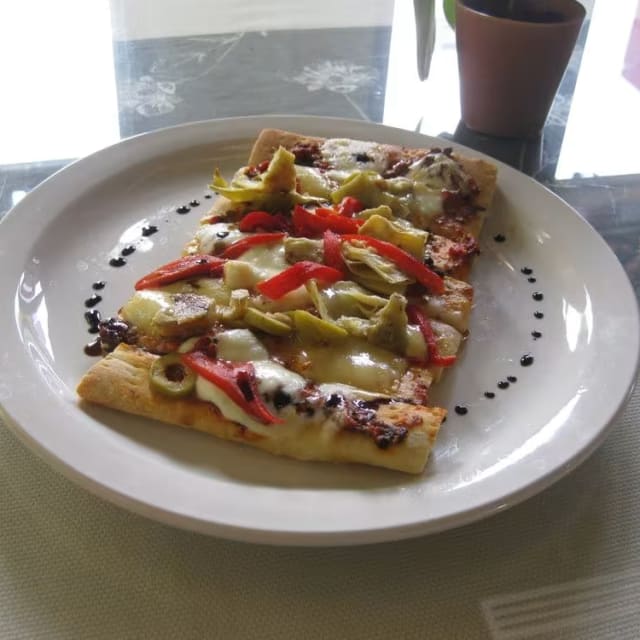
(417,316)
(295,276)
(332,249)
(306,223)
(236,249)
(404,261)
(188,267)
(236,379)
(263,220)
(349,206)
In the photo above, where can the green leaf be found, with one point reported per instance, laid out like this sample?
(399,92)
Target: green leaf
(449,7)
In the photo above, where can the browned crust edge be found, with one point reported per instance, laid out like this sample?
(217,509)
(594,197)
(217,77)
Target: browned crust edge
(120,381)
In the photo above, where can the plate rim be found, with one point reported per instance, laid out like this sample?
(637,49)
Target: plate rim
(299,537)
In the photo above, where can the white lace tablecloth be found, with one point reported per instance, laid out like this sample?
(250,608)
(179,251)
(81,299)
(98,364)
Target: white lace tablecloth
(565,564)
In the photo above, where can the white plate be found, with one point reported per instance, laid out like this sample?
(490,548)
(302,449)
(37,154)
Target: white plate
(58,240)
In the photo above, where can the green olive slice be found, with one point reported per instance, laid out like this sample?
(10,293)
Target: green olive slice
(170,376)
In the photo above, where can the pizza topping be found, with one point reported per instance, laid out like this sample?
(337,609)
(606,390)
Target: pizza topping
(417,316)
(345,154)
(166,314)
(306,153)
(403,260)
(170,376)
(314,224)
(236,380)
(275,324)
(332,250)
(312,329)
(295,276)
(361,417)
(187,267)
(113,331)
(261,220)
(241,246)
(389,325)
(397,232)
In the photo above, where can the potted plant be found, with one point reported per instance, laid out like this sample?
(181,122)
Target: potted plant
(511,57)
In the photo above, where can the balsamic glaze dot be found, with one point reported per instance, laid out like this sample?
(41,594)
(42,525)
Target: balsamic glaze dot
(538,314)
(128,250)
(460,410)
(512,379)
(92,317)
(537,296)
(503,384)
(536,335)
(207,196)
(100,284)
(526,270)
(149,230)
(117,262)
(195,203)
(526,360)
(93,300)
(489,394)
(94,348)
(182,209)
(532,280)
(499,237)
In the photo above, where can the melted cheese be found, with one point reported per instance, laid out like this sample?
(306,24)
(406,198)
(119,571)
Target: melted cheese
(257,264)
(240,345)
(143,306)
(209,241)
(342,155)
(357,364)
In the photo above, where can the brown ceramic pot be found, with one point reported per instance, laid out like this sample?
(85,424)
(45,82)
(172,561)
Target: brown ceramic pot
(510,68)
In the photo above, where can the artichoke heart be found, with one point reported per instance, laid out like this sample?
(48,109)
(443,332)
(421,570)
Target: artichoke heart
(389,326)
(298,249)
(370,189)
(383,210)
(398,232)
(273,190)
(347,298)
(276,324)
(167,314)
(314,330)
(316,297)
(237,307)
(373,271)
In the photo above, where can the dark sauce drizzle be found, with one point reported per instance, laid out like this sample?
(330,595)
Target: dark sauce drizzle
(93,300)
(499,237)
(99,284)
(526,270)
(537,296)
(503,384)
(526,360)
(536,334)
(128,250)
(117,262)
(538,314)
(489,394)
(461,410)
(182,209)
(149,230)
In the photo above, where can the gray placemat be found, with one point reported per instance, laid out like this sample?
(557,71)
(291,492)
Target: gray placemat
(565,564)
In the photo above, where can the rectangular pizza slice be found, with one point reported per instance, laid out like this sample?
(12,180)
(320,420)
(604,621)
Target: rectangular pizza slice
(314,307)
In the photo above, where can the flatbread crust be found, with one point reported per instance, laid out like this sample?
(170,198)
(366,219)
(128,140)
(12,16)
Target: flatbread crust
(484,173)
(121,381)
